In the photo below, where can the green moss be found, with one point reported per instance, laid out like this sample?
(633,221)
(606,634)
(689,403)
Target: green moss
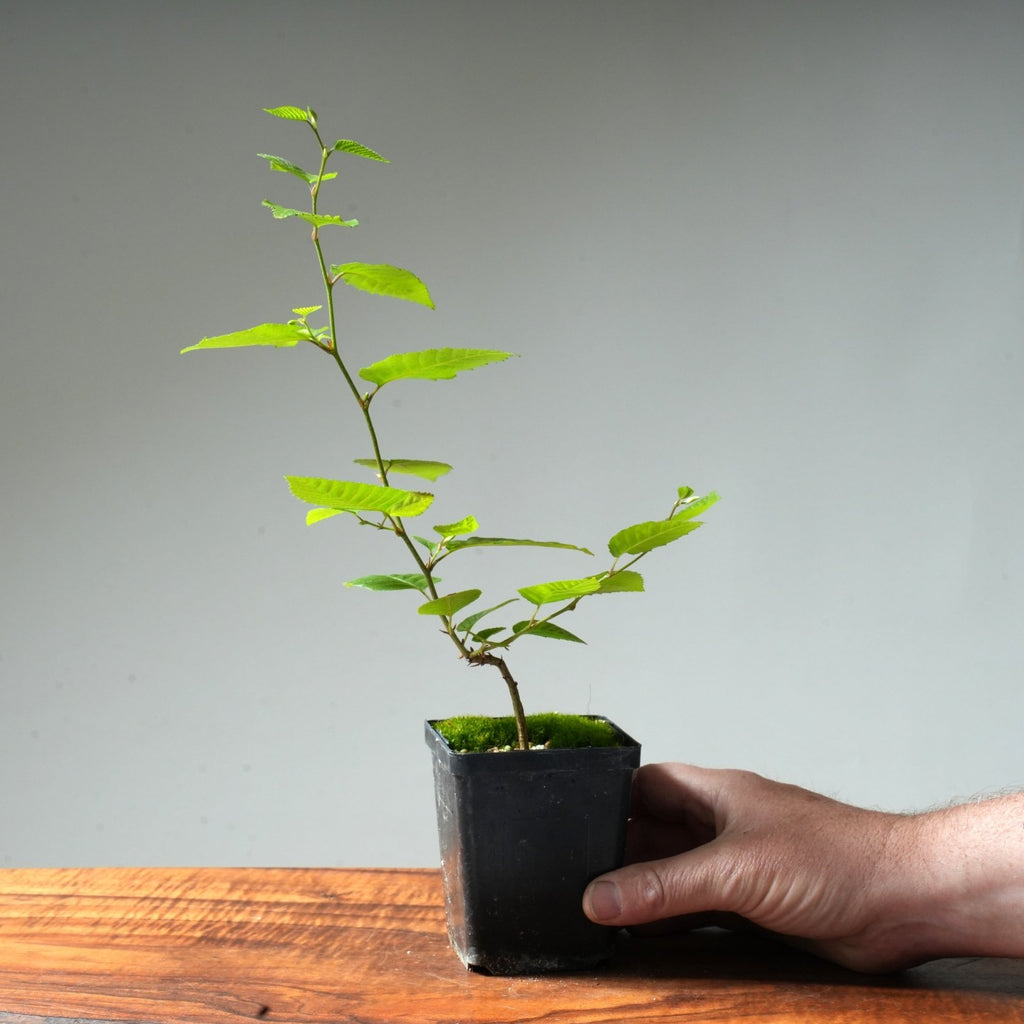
(476,733)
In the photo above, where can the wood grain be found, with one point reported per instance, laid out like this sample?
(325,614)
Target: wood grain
(369,946)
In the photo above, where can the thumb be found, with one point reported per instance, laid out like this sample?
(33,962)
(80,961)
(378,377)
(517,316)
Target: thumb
(688,883)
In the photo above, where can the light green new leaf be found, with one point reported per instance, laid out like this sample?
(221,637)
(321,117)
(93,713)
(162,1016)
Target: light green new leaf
(383,279)
(428,544)
(449,604)
(486,634)
(625,582)
(318,220)
(512,542)
(467,525)
(274,335)
(348,496)
(560,590)
(278,163)
(635,540)
(430,364)
(318,515)
(424,469)
(472,620)
(546,629)
(306,310)
(288,113)
(698,505)
(357,149)
(392,581)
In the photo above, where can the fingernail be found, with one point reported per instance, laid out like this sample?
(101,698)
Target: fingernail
(603,901)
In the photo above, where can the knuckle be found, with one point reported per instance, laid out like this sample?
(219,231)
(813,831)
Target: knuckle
(651,891)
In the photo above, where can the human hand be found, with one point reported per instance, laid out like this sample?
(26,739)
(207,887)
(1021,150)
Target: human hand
(867,889)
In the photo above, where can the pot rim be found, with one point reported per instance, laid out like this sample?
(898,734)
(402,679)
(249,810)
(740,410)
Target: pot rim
(542,759)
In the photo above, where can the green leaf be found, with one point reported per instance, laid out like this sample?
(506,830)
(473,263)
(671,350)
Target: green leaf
(635,540)
(318,220)
(545,629)
(410,467)
(392,581)
(274,335)
(449,604)
(512,542)
(278,163)
(383,279)
(357,149)
(685,492)
(698,505)
(347,496)
(625,582)
(467,525)
(485,634)
(306,310)
(560,590)
(428,544)
(430,364)
(472,620)
(317,515)
(288,113)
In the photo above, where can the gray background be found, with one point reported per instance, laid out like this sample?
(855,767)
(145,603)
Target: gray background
(771,248)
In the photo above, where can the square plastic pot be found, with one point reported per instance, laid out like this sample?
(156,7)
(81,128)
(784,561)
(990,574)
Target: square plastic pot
(521,834)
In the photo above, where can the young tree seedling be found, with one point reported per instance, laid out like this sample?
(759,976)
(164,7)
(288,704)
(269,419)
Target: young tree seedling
(385,507)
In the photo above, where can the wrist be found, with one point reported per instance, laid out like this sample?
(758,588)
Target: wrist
(955,883)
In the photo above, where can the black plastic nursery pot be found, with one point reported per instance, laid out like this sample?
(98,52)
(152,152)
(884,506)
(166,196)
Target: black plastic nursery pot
(521,833)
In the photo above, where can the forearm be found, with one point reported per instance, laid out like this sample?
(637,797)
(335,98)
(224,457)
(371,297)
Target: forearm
(954,884)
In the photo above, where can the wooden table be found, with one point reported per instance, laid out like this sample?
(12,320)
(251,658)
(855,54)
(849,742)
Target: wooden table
(212,944)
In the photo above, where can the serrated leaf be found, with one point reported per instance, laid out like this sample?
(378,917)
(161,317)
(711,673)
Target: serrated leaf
(449,604)
(392,581)
(306,310)
(288,113)
(318,220)
(485,634)
(642,537)
(685,492)
(698,505)
(428,544)
(280,212)
(358,149)
(430,364)
(422,468)
(278,163)
(625,582)
(560,590)
(318,515)
(349,496)
(545,629)
(472,620)
(467,525)
(512,542)
(384,279)
(273,335)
